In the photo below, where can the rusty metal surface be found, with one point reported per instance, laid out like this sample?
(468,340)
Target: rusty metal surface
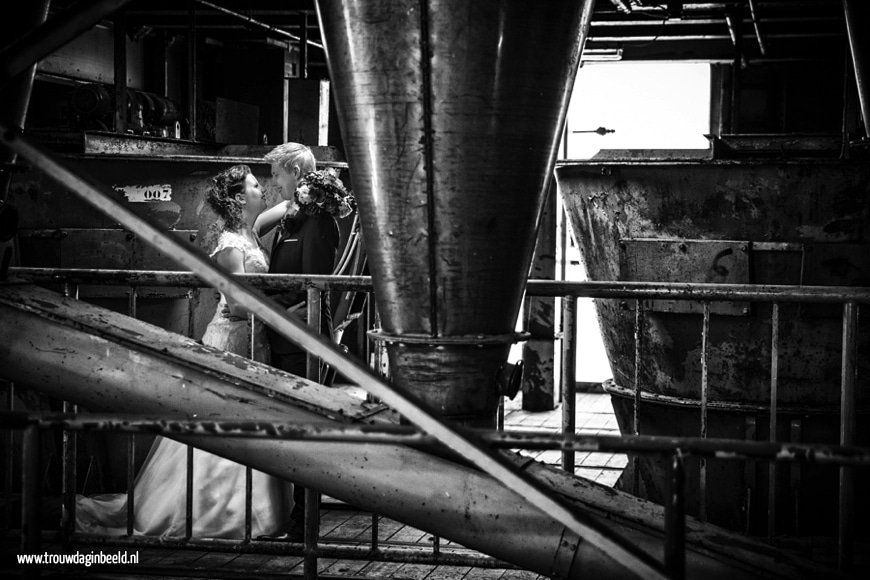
(145,369)
(390,433)
(600,538)
(819,204)
(450,115)
(713,261)
(54,346)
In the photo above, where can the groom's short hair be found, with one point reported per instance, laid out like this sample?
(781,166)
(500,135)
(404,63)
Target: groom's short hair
(289,154)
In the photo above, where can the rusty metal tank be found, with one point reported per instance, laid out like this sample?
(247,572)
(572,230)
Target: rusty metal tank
(450,114)
(753,221)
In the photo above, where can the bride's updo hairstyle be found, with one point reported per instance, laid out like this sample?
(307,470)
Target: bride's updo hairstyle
(225,186)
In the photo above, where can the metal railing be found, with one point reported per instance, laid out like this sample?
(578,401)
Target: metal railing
(845,455)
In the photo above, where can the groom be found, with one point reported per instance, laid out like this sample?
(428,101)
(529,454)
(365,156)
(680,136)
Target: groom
(303,244)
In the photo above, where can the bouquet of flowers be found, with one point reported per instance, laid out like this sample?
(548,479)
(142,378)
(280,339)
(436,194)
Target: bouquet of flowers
(323,192)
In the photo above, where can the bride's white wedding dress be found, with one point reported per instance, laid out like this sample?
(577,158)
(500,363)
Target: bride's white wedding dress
(218,484)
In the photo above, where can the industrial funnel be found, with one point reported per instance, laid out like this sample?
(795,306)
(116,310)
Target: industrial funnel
(450,113)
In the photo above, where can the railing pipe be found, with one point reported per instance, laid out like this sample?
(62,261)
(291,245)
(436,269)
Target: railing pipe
(774,388)
(595,289)
(408,405)
(675,520)
(720,449)
(31,491)
(846,527)
(569,380)
(705,355)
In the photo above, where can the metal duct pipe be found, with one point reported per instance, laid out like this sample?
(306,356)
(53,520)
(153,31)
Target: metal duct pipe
(857,17)
(450,115)
(53,343)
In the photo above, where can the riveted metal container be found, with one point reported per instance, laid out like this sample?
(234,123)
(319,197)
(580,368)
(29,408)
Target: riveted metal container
(773,221)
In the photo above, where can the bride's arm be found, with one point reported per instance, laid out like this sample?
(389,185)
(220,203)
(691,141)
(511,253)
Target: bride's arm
(233,260)
(270,218)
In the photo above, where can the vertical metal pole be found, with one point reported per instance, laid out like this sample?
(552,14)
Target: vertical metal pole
(303,46)
(30,490)
(131,476)
(312,497)
(375,522)
(638,350)
(312,530)
(313,369)
(569,379)
(191,70)
(120,59)
(192,302)
(705,339)
(188,502)
(249,495)
(8,480)
(499,417)
(249,473)
(69,456)
(132,304)
(675,521)
(436,546)
(847,434)
(774,387)
(795,436)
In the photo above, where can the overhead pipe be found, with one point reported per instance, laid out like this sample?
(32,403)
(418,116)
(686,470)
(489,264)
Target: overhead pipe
(53,34)
(404,402)
(260,24)
(857,16)
(139,368)
(450,116)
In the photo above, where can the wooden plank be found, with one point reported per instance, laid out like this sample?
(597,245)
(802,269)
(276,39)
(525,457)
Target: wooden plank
(215,560)
(247,562)
(408,534)
(380,569)
(345,567)
(485,574)
(353,528)
(414,571)
(331,519)
(387,527)
(280,564)
(181,558)
(448,573)
(520,575)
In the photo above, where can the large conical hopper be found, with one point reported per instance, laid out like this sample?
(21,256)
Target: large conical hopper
(450,114)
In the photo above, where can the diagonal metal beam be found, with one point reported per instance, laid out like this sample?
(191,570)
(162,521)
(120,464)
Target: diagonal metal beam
(460,441)
(56,32)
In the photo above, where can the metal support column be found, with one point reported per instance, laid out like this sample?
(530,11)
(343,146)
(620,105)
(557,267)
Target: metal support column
(846,527)
(569,379)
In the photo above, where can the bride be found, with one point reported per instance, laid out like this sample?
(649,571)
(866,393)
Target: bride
(219,484)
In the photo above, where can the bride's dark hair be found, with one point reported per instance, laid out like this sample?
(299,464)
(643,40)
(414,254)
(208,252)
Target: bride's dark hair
(222,195)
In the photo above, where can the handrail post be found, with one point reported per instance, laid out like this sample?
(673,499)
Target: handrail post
(705,341)
(774,387)
(847,435)
(311,517)
(635,424)
(569,379)
(31,489)
(675,520)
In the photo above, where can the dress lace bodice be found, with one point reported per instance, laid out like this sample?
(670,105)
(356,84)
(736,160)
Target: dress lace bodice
(254,258)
